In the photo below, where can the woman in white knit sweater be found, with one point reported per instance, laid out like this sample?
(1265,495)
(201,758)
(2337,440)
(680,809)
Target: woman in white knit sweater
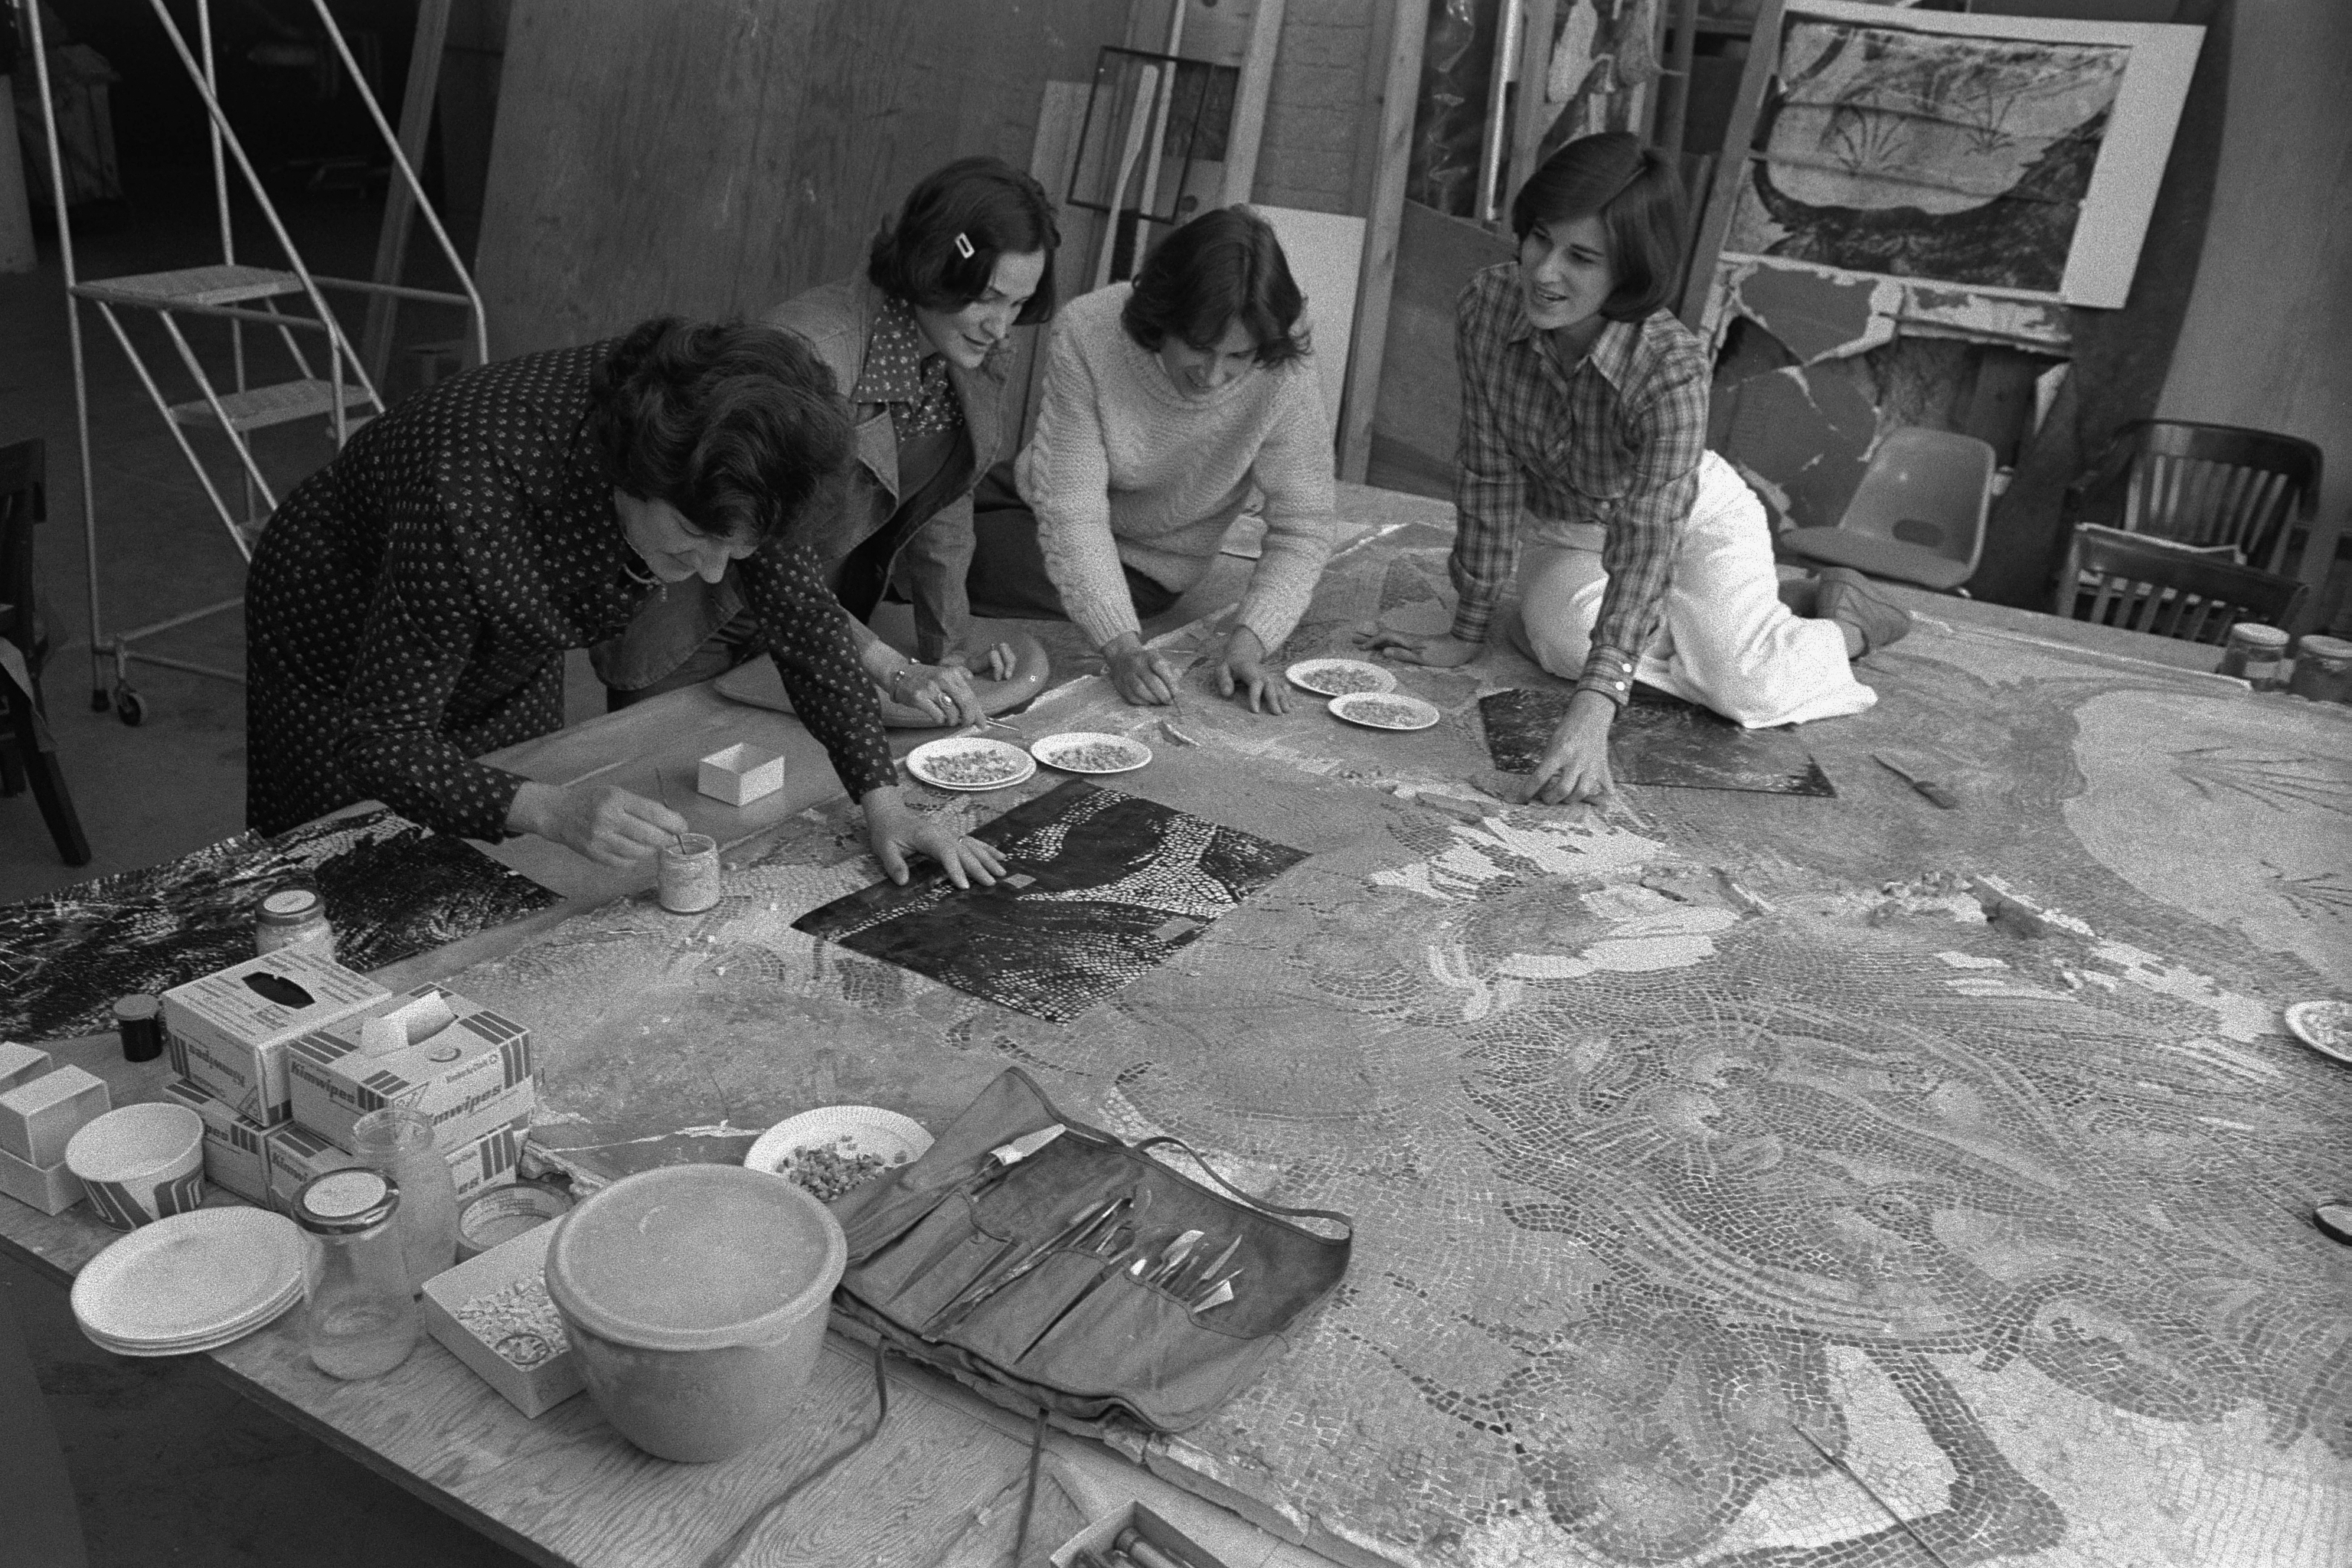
(1167,401)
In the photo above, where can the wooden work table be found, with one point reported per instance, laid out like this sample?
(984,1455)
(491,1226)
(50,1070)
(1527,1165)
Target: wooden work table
(943,1479)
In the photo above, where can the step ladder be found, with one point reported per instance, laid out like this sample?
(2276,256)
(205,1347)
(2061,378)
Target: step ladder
(329,381)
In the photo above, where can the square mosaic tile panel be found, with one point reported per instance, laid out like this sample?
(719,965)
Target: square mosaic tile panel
(392,889)
(1658,740)
(1099,887)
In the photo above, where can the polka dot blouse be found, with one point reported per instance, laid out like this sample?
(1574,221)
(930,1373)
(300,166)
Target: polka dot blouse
(412,602)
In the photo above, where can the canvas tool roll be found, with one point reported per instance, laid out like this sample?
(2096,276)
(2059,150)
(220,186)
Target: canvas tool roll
(934,1248)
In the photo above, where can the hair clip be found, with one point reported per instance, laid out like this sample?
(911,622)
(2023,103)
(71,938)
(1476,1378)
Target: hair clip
(964,247)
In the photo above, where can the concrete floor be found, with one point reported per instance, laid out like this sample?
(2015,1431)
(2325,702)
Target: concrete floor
(167,1466)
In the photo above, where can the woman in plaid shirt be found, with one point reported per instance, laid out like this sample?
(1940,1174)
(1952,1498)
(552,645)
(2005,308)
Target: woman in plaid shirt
(1584,467)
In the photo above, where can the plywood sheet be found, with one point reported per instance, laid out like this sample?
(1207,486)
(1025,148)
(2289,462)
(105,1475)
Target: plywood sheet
(714,156)
(1326,251)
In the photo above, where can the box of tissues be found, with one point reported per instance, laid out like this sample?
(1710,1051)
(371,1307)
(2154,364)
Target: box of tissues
(431,1050)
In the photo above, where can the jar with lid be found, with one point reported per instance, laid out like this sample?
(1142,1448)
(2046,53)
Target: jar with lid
(2258,653)
(359,1318)
(400,1144)
(293,914)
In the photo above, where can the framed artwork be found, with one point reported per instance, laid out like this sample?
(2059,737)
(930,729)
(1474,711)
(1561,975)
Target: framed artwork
(2003,154)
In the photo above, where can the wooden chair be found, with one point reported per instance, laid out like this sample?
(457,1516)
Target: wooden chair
(27,750)
(2210,485)
(2145,586)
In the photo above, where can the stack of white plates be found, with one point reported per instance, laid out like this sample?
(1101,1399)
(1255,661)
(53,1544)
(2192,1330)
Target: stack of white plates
(191,1282)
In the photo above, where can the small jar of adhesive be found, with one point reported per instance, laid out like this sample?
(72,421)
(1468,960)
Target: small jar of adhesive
(689,874)
(2256,653)
(139,1019)
(293,915)
(2323,669)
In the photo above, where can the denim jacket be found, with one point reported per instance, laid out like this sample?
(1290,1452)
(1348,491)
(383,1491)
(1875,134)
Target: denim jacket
(834,319)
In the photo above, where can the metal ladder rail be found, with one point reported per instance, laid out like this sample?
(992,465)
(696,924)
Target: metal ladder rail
(338,346)
(223,140)
(415,187)
(98,695)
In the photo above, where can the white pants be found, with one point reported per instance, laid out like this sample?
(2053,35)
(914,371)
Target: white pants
(1724,639)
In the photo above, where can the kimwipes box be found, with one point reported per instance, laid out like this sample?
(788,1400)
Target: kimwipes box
(432,1051)
(228,1033)
(234,1157)
(295,1153)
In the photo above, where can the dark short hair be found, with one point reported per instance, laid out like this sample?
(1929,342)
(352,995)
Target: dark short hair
(738,426)
(1639,200)
(1224,267)
(990,206)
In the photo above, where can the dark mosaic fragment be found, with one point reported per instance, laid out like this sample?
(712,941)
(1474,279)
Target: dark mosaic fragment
(1658,740)
(1117,884)
(392,889)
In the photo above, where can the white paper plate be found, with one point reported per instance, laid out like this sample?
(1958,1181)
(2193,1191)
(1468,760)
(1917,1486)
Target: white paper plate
(269,1313)
(1062,752)
(1371,708)
(190,1278)
(1331,677)
(847,1130)
(927,761)
(2325,1027)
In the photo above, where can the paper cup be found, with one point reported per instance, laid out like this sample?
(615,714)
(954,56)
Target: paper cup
(140,1164)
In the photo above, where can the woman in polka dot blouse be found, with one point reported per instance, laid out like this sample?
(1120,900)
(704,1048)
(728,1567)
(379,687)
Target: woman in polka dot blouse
(412,602)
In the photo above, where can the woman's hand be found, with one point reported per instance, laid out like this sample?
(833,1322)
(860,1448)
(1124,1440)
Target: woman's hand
(609,826)
(1446,652)
(892,829)
(1240,667)
(940,691)
(1142,675)
(1575,765)
(998,664)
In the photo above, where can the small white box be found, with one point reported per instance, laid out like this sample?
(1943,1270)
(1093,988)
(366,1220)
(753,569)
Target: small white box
(741,774)
(52,1189)
(532,1389)
(228,1033)
(454,1061)
(234,1157)
(21,1063)
(38,1118)
(296,1154)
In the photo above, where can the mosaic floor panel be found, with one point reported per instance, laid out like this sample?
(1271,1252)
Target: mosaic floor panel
(1732,1186)
(1656,740)
(392,889)
(1099,887)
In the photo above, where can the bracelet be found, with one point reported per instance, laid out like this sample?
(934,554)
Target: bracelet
(892,684)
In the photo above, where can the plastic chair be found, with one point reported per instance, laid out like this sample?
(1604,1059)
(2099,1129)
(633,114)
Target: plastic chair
(27,750)
(1918,515)
(2120,579)
(2209,485)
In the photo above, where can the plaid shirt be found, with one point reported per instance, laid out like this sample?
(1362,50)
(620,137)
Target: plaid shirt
(1613,439)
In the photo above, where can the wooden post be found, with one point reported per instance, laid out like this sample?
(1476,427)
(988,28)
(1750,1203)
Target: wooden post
(16,212)
(1150,195)
(1138,117)
(1399,97)
(1674,104)
(1763,61)
(1534,115)
(1249,105)
(399,206)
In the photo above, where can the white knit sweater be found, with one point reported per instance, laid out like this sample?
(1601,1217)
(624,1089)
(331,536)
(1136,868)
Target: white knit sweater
(1124,467)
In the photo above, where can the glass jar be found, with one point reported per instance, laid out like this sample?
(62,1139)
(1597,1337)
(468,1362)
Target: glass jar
(359,1317)
(400,1144)
(2257,653)
(293,914)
